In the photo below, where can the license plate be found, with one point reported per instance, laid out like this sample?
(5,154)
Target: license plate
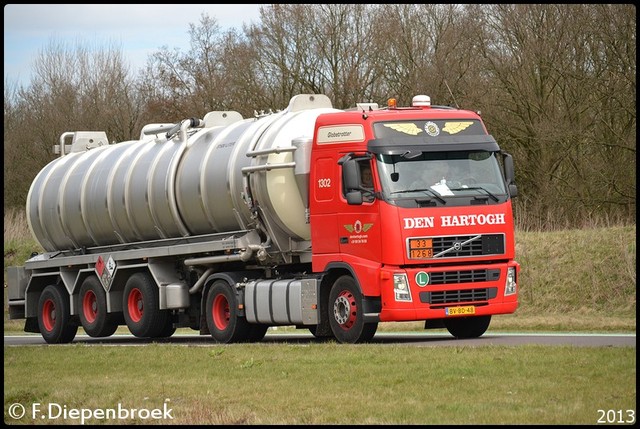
(454,311)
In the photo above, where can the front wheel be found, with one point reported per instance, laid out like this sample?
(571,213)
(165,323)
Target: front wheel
(346,313)
(224,323)
(467,327)
(54,316)
(317,332)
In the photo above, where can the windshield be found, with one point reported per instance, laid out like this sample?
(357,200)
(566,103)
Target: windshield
(441,175)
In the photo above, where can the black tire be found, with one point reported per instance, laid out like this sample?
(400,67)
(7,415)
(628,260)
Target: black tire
(141,307)
(315,331)
(257,332)
(467,327)
(224,323)
(322,337)
(168,330)
(94,318)
(346,313)
(54,316)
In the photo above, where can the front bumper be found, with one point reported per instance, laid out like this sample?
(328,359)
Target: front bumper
(440,292)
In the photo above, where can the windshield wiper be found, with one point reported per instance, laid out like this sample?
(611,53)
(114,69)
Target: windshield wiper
(478,188)
(431,191)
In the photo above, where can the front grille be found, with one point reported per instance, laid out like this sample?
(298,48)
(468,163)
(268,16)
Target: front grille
(458,296)
(468,245)
(455,246)
(465,276)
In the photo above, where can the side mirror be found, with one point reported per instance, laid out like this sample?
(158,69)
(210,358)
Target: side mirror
(351,175)
(510,175)
(351,179)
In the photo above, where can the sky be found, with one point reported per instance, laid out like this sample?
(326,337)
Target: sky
(136,29)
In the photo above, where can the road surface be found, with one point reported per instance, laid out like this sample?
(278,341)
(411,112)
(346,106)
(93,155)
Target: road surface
(426,339)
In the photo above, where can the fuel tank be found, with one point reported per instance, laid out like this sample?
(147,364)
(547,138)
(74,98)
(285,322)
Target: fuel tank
(191,178)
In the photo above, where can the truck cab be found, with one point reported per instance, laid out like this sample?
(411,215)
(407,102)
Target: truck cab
(433,239)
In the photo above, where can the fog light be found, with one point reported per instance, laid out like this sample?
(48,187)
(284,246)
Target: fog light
(401,287)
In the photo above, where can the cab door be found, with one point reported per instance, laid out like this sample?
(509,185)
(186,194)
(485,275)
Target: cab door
(359,229)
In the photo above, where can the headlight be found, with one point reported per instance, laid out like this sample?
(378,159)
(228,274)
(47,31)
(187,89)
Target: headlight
(401,287)
(510,284)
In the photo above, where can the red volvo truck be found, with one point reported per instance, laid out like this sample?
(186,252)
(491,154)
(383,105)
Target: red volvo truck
(324,219)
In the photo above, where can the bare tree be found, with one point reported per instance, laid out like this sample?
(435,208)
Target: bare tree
(555,83)
(550,83)
(429,50)
(284,60)
(178,84)
(343,42)
(73,88)
(14,116)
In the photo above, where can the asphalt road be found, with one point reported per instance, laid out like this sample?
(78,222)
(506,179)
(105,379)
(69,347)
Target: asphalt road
(427,339)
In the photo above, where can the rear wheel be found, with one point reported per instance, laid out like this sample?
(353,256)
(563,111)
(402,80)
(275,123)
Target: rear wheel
(467,327)
(93,309)
(54,316)
(346,313)
(168,330)
(223,320)
(141,307)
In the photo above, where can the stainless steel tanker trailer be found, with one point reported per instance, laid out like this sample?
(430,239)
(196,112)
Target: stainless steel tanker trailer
(206,223)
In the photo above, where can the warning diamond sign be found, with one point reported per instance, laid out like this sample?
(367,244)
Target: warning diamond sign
(105,271)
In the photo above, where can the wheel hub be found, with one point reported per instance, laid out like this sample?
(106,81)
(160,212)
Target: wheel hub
(345,310)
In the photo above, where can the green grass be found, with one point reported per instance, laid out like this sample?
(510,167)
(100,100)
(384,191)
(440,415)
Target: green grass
(580,280)
(327,383)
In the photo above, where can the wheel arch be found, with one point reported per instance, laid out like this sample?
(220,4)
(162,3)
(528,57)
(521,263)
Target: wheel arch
(334,271)
(81,276)
(36,285)
(372,304)
(116,288)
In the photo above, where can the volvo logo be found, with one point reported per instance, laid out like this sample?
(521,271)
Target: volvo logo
(457,246)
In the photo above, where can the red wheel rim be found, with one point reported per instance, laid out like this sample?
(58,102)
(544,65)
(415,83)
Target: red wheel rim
(135,305)
(90,306)
(49,315)
(345,310)
(220,312)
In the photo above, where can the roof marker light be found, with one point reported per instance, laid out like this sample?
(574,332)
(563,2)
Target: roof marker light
(421,101)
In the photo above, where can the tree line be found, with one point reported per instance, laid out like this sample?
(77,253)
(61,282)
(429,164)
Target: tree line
(555,84)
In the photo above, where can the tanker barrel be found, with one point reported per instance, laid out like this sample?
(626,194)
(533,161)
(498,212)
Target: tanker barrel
(194,183)
(302,159)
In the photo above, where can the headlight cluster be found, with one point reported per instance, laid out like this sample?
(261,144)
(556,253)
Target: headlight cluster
(510,284)
(401,287)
